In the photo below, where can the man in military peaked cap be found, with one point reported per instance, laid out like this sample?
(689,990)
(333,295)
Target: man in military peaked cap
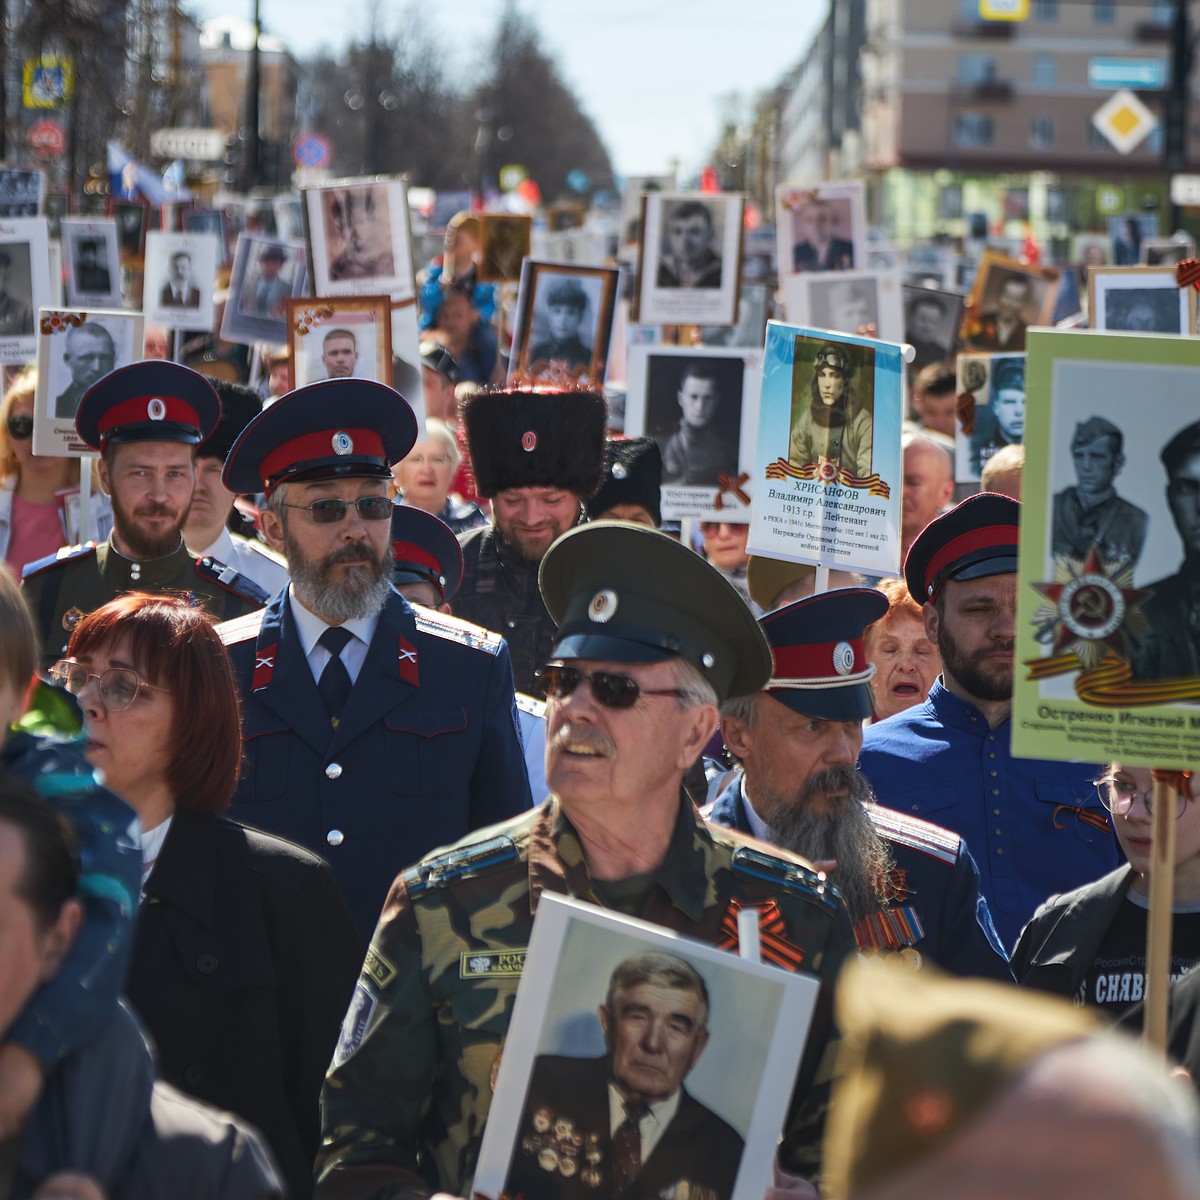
(649,639)
(1034,827)
(536,455)
(146,420)
(375,731)
(911,887)
(428,558)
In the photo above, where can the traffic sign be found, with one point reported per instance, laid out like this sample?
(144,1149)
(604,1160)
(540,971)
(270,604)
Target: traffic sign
(46,138)
(311,150)
(1185,190)
(201,145)
(1124,120)
(1148,74)
(1004,10)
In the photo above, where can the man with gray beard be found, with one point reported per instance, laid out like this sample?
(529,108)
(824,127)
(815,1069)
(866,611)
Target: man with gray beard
(375,731)
(911,888)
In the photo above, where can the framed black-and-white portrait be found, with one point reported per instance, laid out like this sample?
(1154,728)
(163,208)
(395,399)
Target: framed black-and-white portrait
(689,258)
(932,318)
(1140,300)
(846,301)
(55,206)
(181,273)
(1159,252)
(92,263)
(24,285)
(564,324)
(21,192)
(133,223)
(359,236)
(266,273)
(588,979)
(821,227)
(75,348)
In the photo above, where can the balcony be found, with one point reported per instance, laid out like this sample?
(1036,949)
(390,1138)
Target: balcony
(987,31)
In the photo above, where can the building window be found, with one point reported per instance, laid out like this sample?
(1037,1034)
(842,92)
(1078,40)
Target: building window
(970,12)
(1045,70)
(976,68)
(1041,133)
(1104,12)
(1045,10)
(1162,12)
(973,129)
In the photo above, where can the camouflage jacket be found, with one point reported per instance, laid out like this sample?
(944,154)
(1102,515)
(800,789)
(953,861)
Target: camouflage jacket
(411,1083)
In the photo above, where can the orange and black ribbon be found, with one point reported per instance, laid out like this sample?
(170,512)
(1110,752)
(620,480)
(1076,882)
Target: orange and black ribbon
(1187,273)
(771,928)
(828,471)
(731,485)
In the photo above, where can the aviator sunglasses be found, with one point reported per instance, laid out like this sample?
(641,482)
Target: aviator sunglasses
(609,689)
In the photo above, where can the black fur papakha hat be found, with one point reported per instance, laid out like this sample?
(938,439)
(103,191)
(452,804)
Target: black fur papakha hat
(536,438)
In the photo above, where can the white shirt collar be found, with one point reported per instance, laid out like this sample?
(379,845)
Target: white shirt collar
(152,843)
(758,826)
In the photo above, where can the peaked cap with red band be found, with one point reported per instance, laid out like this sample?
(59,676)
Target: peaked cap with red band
(974,539)
(334,429)
(425,550)
(151,401)
(821,668)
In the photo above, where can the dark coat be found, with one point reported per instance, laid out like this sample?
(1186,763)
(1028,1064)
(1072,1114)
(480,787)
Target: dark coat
(697,1146)
(427,750)
(1059,945)
(244,960)
(1171,648)
(940,880)
(499,591)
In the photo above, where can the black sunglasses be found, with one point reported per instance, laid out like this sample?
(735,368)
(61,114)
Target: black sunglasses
(609,689)
(20,428)
(330,511)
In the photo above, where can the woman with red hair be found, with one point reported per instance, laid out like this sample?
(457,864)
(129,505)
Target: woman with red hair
(244,954)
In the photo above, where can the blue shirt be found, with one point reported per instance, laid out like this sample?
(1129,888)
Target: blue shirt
(1034,828)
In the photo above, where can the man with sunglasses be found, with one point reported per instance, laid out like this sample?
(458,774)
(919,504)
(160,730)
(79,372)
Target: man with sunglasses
(146,420)
(649,640)
(375,731)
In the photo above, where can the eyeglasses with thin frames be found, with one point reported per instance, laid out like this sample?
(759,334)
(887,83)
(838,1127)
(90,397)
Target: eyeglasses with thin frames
(119,686)
(331,510)
(1117,795)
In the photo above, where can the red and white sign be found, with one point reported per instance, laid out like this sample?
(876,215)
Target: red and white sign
(46,138)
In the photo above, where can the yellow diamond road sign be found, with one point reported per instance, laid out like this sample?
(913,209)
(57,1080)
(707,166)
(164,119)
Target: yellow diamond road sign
(1124,120)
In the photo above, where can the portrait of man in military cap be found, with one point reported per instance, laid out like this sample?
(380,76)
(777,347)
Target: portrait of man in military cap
(1091,515)
(567,315)
(1001,422)
(832,413)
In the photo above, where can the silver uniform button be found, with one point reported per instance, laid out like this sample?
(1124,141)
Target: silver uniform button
(333,771)
(335,837)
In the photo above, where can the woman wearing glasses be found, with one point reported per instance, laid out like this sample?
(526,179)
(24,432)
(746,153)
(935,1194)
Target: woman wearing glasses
(29,523)
(1090,944)
(244,955)
(423,479)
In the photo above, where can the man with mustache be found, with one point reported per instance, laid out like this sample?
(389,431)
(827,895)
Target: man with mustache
(375,731)
(1035,828)
(146,420)
(649,639)
(537,455)
(910,887)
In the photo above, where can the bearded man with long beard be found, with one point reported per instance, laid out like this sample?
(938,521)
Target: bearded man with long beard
(910,888)
(1036,828)
(146,420)
(375,731)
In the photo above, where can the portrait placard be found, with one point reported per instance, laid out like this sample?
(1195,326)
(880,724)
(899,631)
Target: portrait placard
(689,258)
(990,410)
(21,192)
(700,405)
(828,467)
(133,223)
(75,348)
(821,227)
(1108,644)
(92,259)
(931,322)
(846,301)
(1159,252)
(564,324)
(1007,297)
(741,1028)
(181,273)
(55,206)
(214,221)
(637,186)
(504,245)
(1140,300)
(266,272)
(24,285)
(359,238)
(343,337)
